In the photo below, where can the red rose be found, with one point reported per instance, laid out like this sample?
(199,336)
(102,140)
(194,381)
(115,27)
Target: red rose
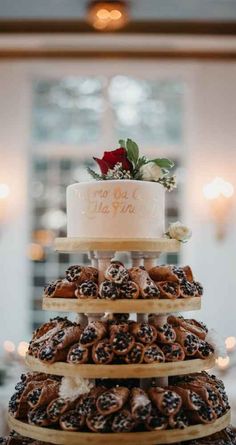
(110,159)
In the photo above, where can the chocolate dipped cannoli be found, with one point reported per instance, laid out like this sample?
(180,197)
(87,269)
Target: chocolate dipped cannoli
(156,421)
(152,353)
(191,325)
(67,336)
(162,273)
(43,395)
(72,421)
(116,272)
(206,391)
(179,421)
(188,289)
(98,423)
(51,354)
(183,273)
(135,355)
(102,352)
(18,405)
(204,415)
(165,332)
(205,350)
(87,289)
(148,288)
(93,332)
(123,422)
(112,400)
(187,340)
(173,352)
(59,406)
(86,403)
(108,290)
(191,401)
(60,289)
(140,404)
(129,290)
(169,289)
(78,354)
(144,332)
(122,343)
(39,417)
(167,402)
(77,274)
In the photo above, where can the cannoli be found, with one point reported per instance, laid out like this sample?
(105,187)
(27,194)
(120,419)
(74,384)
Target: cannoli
(173,352)
(112,400)
(94,331)
(199,288)
(108,290)
(167,402)
(18,405)
(44,394)
(191,325)
(72,421)
(191,401)
(206,391)
(77,274)
(78,354)
(87,289)
(52,326)
(204,415)
(51,354)
(98,423)
(57,407)
(135,355)
(116,272)
(183,273)
(66,337)
(188,289)
(122,343)
(140,404)
(102,352)
(60,289)
(118,327)
(179,421)
(165,332)
(169,289)
(152,353)
(144,332)
(205,350)
(86,404)
(162,273)
(187,340)
(148,288)
(123,422)
(39,417)
(129,290)
(156,421)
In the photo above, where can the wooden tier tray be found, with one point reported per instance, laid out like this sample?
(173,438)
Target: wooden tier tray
(122,245)
(141,438)
(139,306)
(121,371)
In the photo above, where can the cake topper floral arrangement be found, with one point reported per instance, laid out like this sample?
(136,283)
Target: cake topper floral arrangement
(126,163)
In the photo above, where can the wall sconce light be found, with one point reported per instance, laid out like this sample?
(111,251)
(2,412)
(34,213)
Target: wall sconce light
(219,196)
(108,15)
(4,193)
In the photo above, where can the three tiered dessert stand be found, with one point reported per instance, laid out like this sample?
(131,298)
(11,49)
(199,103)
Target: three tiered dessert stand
(142,252)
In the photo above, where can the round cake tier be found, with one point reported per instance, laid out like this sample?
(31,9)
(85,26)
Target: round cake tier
(115,209)
(92,306)
(86,244)
(121,371)
(143,438)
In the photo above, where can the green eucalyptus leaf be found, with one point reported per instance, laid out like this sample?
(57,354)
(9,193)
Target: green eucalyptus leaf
(132,151)
(122,143)
(163,163)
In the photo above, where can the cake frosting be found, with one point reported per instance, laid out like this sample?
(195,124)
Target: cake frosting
(116,209)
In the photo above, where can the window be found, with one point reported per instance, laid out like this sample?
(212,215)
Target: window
(78,114)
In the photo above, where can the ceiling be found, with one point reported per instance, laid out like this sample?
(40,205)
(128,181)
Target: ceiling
(224,10)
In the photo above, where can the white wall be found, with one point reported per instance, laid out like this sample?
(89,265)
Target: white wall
(210,151)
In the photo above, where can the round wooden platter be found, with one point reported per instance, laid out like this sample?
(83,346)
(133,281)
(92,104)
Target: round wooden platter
(139,306)
(122,245)
(121,371)
(142,438)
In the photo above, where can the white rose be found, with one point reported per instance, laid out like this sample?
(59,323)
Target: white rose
(178,231)
(151,172)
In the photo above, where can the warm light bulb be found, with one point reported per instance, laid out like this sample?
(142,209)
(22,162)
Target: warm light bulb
(4,191)
(223,362)
(103,14)
(22,348)
(9,346)
(230,343)
(106,15)
(218,187)
(115,14)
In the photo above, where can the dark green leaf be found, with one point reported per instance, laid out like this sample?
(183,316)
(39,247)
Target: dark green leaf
(163,163)
(122,143)
(132,151)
